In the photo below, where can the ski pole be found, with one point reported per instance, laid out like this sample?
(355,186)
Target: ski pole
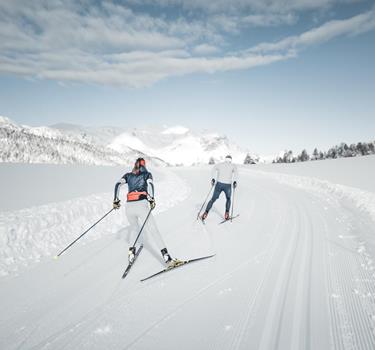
(144,223)
(231,215)
(199,213)
(67,247)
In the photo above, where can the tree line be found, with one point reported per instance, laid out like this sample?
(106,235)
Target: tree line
(342,150)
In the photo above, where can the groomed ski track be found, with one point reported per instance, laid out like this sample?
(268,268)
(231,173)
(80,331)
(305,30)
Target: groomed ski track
(292,272)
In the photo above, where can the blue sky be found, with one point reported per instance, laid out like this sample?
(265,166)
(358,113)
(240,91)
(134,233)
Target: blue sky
(286,75)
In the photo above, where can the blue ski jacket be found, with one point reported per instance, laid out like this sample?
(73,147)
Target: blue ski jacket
(140,182)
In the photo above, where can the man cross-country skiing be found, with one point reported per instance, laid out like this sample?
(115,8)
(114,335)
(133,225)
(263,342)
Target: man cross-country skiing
(140,200)
(223,174)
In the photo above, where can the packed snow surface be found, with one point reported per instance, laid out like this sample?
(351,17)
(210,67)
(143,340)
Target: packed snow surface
(294,271)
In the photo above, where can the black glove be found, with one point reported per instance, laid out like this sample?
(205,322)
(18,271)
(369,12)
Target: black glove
(234,184)
(151,200)
(213,182)
(116,204)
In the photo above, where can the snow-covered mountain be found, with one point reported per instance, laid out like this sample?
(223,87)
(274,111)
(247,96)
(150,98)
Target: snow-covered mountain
(69,143)
(25,144)
(178,145)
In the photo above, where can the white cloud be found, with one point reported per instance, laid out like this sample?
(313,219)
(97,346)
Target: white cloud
(114,45)
(205,49)
(269,19)
(142,69)
(332,29)
(232,6)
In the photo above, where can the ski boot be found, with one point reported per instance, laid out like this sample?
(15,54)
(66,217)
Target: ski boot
(226,215)
(168,260)
(131,255)
(204,216)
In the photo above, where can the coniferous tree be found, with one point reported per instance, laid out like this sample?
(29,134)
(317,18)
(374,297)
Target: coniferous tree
(288,156)
(249,160)
(353,150)
(304,156)
(315,154)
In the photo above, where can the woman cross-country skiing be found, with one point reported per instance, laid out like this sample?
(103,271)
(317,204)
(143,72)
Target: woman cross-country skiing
(223,174)
(140,200)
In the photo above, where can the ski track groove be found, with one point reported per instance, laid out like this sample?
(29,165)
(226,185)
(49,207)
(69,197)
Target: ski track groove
(303,294)
(242,328)
(273,313)
(251,302)
(311,247)
(365,338)
(296,335)
(328,280)
(361,315)
(336,317)
(292,258)
(351,320)
(301,245)
(365,277)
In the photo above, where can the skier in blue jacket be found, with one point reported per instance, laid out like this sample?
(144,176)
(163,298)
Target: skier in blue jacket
(140,200)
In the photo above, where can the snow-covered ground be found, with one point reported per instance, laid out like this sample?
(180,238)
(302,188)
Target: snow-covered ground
(354,172)
(349,179)
(294,271)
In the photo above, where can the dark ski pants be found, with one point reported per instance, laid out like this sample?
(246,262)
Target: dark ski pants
(220,187)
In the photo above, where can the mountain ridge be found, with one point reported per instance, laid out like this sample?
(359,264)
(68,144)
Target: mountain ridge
(109,145)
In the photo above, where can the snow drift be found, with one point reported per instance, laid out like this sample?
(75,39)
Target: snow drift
(29,234)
